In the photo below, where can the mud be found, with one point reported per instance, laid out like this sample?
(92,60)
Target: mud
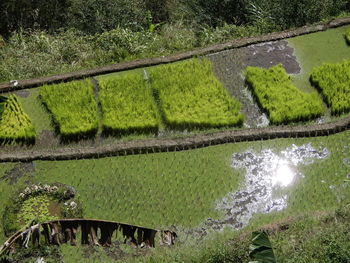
(22,93)
(229,67)
(18,171)
(272,53)
(266,172)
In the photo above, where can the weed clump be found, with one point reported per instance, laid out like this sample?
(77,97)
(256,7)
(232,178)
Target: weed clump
(347,36)
(283,102)
(333,80)
(190,96)
(73,107)
(15,125)
(127,105)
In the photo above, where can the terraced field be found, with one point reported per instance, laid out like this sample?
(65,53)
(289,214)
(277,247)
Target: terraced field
(199,193)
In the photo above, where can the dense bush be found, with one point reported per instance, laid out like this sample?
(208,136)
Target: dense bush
(282,101)
(191,96)
(15,125)
(334,82)
(127,105)
(73,107)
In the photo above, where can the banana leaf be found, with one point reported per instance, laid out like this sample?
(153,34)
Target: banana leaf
(260,249)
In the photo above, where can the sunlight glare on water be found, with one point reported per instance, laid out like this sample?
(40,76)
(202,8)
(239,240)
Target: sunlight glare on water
(283,174)
(265,172)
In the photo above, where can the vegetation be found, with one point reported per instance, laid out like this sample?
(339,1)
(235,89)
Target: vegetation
(35,208)
(282,101)
(73,106)
(313,49)
(164,189)
(40,203)
(333,80)
(62,36)
(347,36)
(127,105)
(191,96)
(15,125)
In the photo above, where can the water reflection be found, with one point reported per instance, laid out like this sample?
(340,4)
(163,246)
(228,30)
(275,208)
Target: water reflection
(283,174)
(266,172)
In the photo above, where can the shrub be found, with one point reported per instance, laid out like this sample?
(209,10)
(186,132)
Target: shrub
(73,106)
(127,105)
(282,101)
(15,125)
(190,96)
(334,82)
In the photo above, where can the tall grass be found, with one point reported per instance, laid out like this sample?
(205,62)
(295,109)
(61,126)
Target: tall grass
(190,96)
(15,125)
(282,101)
(73,107)
(127,105)
(334,82)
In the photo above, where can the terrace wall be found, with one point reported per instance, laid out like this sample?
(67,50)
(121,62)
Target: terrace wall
(180,144)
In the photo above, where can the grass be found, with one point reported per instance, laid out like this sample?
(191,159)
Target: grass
(37,112)
(282,101)
(347,36)
(190,96)
(127,105)
(334,82)
(73,107)
(15,125)
(314,49)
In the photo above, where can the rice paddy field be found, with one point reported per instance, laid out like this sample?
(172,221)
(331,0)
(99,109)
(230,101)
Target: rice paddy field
(206,195)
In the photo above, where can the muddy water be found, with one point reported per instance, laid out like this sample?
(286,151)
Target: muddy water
(267,175)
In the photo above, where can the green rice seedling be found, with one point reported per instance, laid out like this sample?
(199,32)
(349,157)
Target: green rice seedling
(347,36)
(282,101)
(15,125)
(73,107)
(333,80)
(190,96)
(127,105)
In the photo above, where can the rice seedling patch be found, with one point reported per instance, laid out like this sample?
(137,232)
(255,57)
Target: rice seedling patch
(282,101)
(314,49)
(190,96)
(15,125)
(333,80)
(73,107)
(127,105)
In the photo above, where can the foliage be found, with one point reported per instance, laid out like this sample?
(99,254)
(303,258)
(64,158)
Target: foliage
(2,105)
(191,96)
(127,104)
(313,49)
(40,203)
(37,208)
(73,106)
(347,36)
(333,80)
(30,54)
(282,101)
(15,125)
(261,249)
(97,16)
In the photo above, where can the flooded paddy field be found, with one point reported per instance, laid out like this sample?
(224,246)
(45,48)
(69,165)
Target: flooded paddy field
(202,190)
(298,55)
